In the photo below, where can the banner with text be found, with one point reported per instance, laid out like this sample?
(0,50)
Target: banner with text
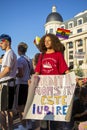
(50,97)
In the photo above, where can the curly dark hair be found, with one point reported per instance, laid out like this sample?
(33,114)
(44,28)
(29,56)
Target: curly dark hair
(56,44)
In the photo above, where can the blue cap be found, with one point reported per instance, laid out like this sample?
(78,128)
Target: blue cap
(5,37)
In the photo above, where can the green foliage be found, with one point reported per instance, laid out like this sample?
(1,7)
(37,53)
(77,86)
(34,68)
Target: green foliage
(79,72)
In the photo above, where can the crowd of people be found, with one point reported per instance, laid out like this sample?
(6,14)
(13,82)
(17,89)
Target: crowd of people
(15,79)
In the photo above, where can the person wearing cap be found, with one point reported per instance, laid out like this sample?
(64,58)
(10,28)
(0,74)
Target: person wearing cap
(7,76)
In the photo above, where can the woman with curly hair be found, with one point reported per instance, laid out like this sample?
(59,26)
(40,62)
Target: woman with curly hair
(51,61)
(56,44)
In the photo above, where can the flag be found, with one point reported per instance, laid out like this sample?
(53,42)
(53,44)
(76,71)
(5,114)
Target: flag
(37,40)
(63,33)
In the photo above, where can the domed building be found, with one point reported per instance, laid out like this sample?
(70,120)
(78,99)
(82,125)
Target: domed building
(76,45)
(53,21)
(54,16)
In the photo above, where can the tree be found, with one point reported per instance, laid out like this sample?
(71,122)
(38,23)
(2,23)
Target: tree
(79,72)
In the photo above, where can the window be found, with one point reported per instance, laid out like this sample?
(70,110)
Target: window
(80,50)
(62,26)
(51,30)
(70,24)
(80,62)
(71,33)
(79,21)
(70,65)
(79,30)
(70,44)
(80,42)
(70,54)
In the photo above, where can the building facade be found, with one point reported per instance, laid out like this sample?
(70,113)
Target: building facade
(76,44)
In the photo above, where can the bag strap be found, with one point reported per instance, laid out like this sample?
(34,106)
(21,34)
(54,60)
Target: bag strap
(27,62)
(29,66)
(42,56)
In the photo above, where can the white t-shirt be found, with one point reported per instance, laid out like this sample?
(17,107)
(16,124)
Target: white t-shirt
(22,62)
(10,60)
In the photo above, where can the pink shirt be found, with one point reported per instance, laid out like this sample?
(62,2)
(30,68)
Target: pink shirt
(51,64)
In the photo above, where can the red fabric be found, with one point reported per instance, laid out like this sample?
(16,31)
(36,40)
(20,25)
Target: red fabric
(51,64)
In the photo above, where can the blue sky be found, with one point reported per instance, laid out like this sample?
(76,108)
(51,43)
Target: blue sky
(23,20)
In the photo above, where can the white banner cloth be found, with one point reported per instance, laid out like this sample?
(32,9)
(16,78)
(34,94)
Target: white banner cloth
(50,97)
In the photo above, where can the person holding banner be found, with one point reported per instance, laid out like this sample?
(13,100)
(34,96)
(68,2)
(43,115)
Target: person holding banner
(51,60)
(36,123)
(7,80)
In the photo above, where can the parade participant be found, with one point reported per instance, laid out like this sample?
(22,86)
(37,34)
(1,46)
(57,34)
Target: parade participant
(7,76)
(79,110)
(36,123)
(24,73)
(35,60)
(51,61)
(1,60)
